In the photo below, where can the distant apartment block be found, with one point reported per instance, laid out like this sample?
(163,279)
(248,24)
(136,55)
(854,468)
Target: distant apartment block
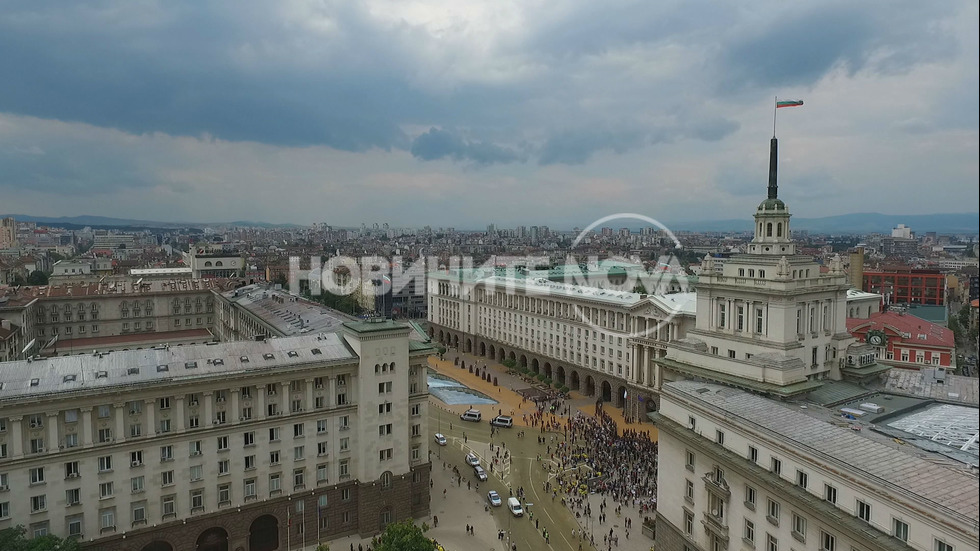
(907,286)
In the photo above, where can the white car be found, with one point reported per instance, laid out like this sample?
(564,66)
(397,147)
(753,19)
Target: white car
(494,498)
(479,472)
(440,439)
(472,460)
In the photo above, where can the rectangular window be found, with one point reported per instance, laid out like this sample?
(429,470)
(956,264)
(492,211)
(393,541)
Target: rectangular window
(772,512)
(196,472)
(298,430)
(750,497)
(37,475)
(167,478)
(900,529)
(748,532)
(943,546)
(321,426)
(830,493)
(275,482)
(688,523)
(689,490)
(136,484)
(864,511)
(73,496)
(772,544)
(197,500)
(249,489)
(224,494)
(298,453)
(799,526)
(105,490)
(720,437)
(828,542)
(222,443)
(776,466)
(753,454)
(802,479)
(224,467)
(689,464)
(105,463)
(168,505)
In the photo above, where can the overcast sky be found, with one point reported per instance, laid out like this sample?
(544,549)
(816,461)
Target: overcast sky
(463,113)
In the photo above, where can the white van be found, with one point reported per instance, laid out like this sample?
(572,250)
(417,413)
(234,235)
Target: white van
(471,415)
(514,505)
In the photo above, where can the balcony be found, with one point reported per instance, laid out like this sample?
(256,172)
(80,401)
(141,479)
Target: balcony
(717,485)
(716,525)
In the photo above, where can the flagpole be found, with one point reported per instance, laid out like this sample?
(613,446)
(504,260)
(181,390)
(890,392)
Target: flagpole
(775,101)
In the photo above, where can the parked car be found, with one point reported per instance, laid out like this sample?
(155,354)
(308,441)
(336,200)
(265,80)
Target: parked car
(502,421)
(471,415)
(472,460)
(494,498)
(479,472)
(440,439)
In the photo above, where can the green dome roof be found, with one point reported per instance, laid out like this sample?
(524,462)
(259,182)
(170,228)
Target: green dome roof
(772,204)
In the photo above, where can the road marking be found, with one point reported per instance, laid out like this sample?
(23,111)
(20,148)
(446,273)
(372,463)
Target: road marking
(554,523)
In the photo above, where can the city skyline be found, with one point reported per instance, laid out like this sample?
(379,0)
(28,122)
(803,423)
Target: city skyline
(462,115)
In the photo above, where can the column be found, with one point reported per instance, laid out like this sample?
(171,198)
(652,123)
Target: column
(332,396)
(260,399)
(208,408)
(151,421)
(308,405)
(120,422)
(51,445)
(236,410)
(179,413)
(284,399)
(17,436)
(86,435)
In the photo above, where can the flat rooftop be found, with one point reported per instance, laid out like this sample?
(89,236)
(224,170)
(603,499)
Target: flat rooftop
(31,379)
(922,384)
(289,314)
(19,296)
(931,477)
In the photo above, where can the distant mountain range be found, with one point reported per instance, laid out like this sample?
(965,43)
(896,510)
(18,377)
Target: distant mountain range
(858,223)
(106,221)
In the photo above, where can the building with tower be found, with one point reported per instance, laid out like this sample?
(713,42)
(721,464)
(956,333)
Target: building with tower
(768,438)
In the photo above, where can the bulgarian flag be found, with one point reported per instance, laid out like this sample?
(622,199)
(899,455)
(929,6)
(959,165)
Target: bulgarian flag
(789,103)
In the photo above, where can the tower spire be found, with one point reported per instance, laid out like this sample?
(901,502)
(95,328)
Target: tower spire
(772,168)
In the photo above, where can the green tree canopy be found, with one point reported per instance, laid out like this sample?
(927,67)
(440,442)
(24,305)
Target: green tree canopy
(37,277)
(15,539)
(404,536)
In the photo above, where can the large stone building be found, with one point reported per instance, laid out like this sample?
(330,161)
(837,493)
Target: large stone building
(246,445)
(769,320)
(111,315)
(740,471)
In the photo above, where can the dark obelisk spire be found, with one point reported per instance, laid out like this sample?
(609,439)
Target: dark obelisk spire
(772,168)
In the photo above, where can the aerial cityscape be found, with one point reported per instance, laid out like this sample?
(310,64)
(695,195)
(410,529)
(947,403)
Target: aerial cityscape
(430,276)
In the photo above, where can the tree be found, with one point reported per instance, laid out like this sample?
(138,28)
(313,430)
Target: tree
(640,288)
(37,277)
(15,539)
(404,536)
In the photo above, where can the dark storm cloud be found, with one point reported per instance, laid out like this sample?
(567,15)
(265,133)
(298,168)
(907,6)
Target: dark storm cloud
(441,144)
(801,47)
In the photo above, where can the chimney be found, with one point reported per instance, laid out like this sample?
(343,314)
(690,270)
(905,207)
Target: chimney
(5,324)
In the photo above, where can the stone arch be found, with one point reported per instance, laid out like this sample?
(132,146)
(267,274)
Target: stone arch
(501,354)
(512,356)
(576,383)
(432,333)
(493,352)
(560,377)
(618,399)
(523,362)
(263,534)
(468,346)
(455,341)
(213,539)
(606,391)
(442,336)
(158,545)
(547,370)
(589,385)
(483,349)
(534,365)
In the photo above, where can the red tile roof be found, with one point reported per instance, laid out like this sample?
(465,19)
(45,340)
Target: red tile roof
(919,330)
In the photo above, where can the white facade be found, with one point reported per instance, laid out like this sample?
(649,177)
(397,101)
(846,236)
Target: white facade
(97,446)
(738,471)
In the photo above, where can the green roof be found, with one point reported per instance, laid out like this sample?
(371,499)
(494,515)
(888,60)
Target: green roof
(416,346)
(784,391)
(371,326)
(772,204)
(930,313)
